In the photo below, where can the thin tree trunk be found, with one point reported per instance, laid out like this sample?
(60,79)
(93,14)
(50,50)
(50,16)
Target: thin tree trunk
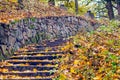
(67,0)
(118,6)
(110,9)
(76,6)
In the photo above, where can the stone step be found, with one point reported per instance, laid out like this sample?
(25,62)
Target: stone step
(42,48)
(30,73)
(33,62)
(16,77)
(28,79)
(46,43)
(52,43)
(29,61)
(39,48)
(39,52)
(48,57)
(31,67)
(36,54)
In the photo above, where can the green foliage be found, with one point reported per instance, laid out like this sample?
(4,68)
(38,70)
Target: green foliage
(33,19)
(82,9)
(33,40)
(1,56)
(15,21)
(111,27)
(31,26)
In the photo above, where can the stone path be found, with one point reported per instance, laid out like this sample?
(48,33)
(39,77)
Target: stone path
(33,62)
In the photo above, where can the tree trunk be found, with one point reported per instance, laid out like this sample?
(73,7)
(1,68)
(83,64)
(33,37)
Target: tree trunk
(67,2)
(118,6)
(110,9)
(51,2)
(76,6)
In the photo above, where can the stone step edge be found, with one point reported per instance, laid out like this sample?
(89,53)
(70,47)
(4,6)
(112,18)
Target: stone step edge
(41,52)
(55,60)
(28,72)
(29,78)
(19,56)
(34,66)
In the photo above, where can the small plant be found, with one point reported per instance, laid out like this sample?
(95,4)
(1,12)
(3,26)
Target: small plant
(33,19)
(32,27)
(14,22)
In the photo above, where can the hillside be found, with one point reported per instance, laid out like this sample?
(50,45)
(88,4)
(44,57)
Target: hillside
(10,11)
(93,56)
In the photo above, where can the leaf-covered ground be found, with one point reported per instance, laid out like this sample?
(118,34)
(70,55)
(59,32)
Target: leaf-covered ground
(10,11)
(95,56)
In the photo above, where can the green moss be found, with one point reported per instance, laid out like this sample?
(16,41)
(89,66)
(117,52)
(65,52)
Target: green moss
(34,40)
(1,56)
(37,37)
(33,19)
(27,42)
(15,21)
(32,27)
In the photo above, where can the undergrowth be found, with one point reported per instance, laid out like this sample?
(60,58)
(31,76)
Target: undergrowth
(95,55)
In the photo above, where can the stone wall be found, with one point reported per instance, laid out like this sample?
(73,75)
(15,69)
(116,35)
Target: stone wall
(33,30)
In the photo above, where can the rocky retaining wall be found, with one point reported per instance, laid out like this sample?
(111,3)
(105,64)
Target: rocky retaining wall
(33,30)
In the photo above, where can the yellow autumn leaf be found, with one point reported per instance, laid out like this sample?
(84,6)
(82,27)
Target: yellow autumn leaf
(38,77)
(84,57)
(62,77)
(13,0)
(27,64)
(23,49)
(5,70)
(46,50)
(38,54)
(76,62)
(21,64)
(0,70)
(15,71)
(72,70)
(98,77)
(118,71)
(62,49)
(55,65)
(63,67)
(34,70)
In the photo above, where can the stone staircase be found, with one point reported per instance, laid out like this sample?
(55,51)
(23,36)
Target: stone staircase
(33,62)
